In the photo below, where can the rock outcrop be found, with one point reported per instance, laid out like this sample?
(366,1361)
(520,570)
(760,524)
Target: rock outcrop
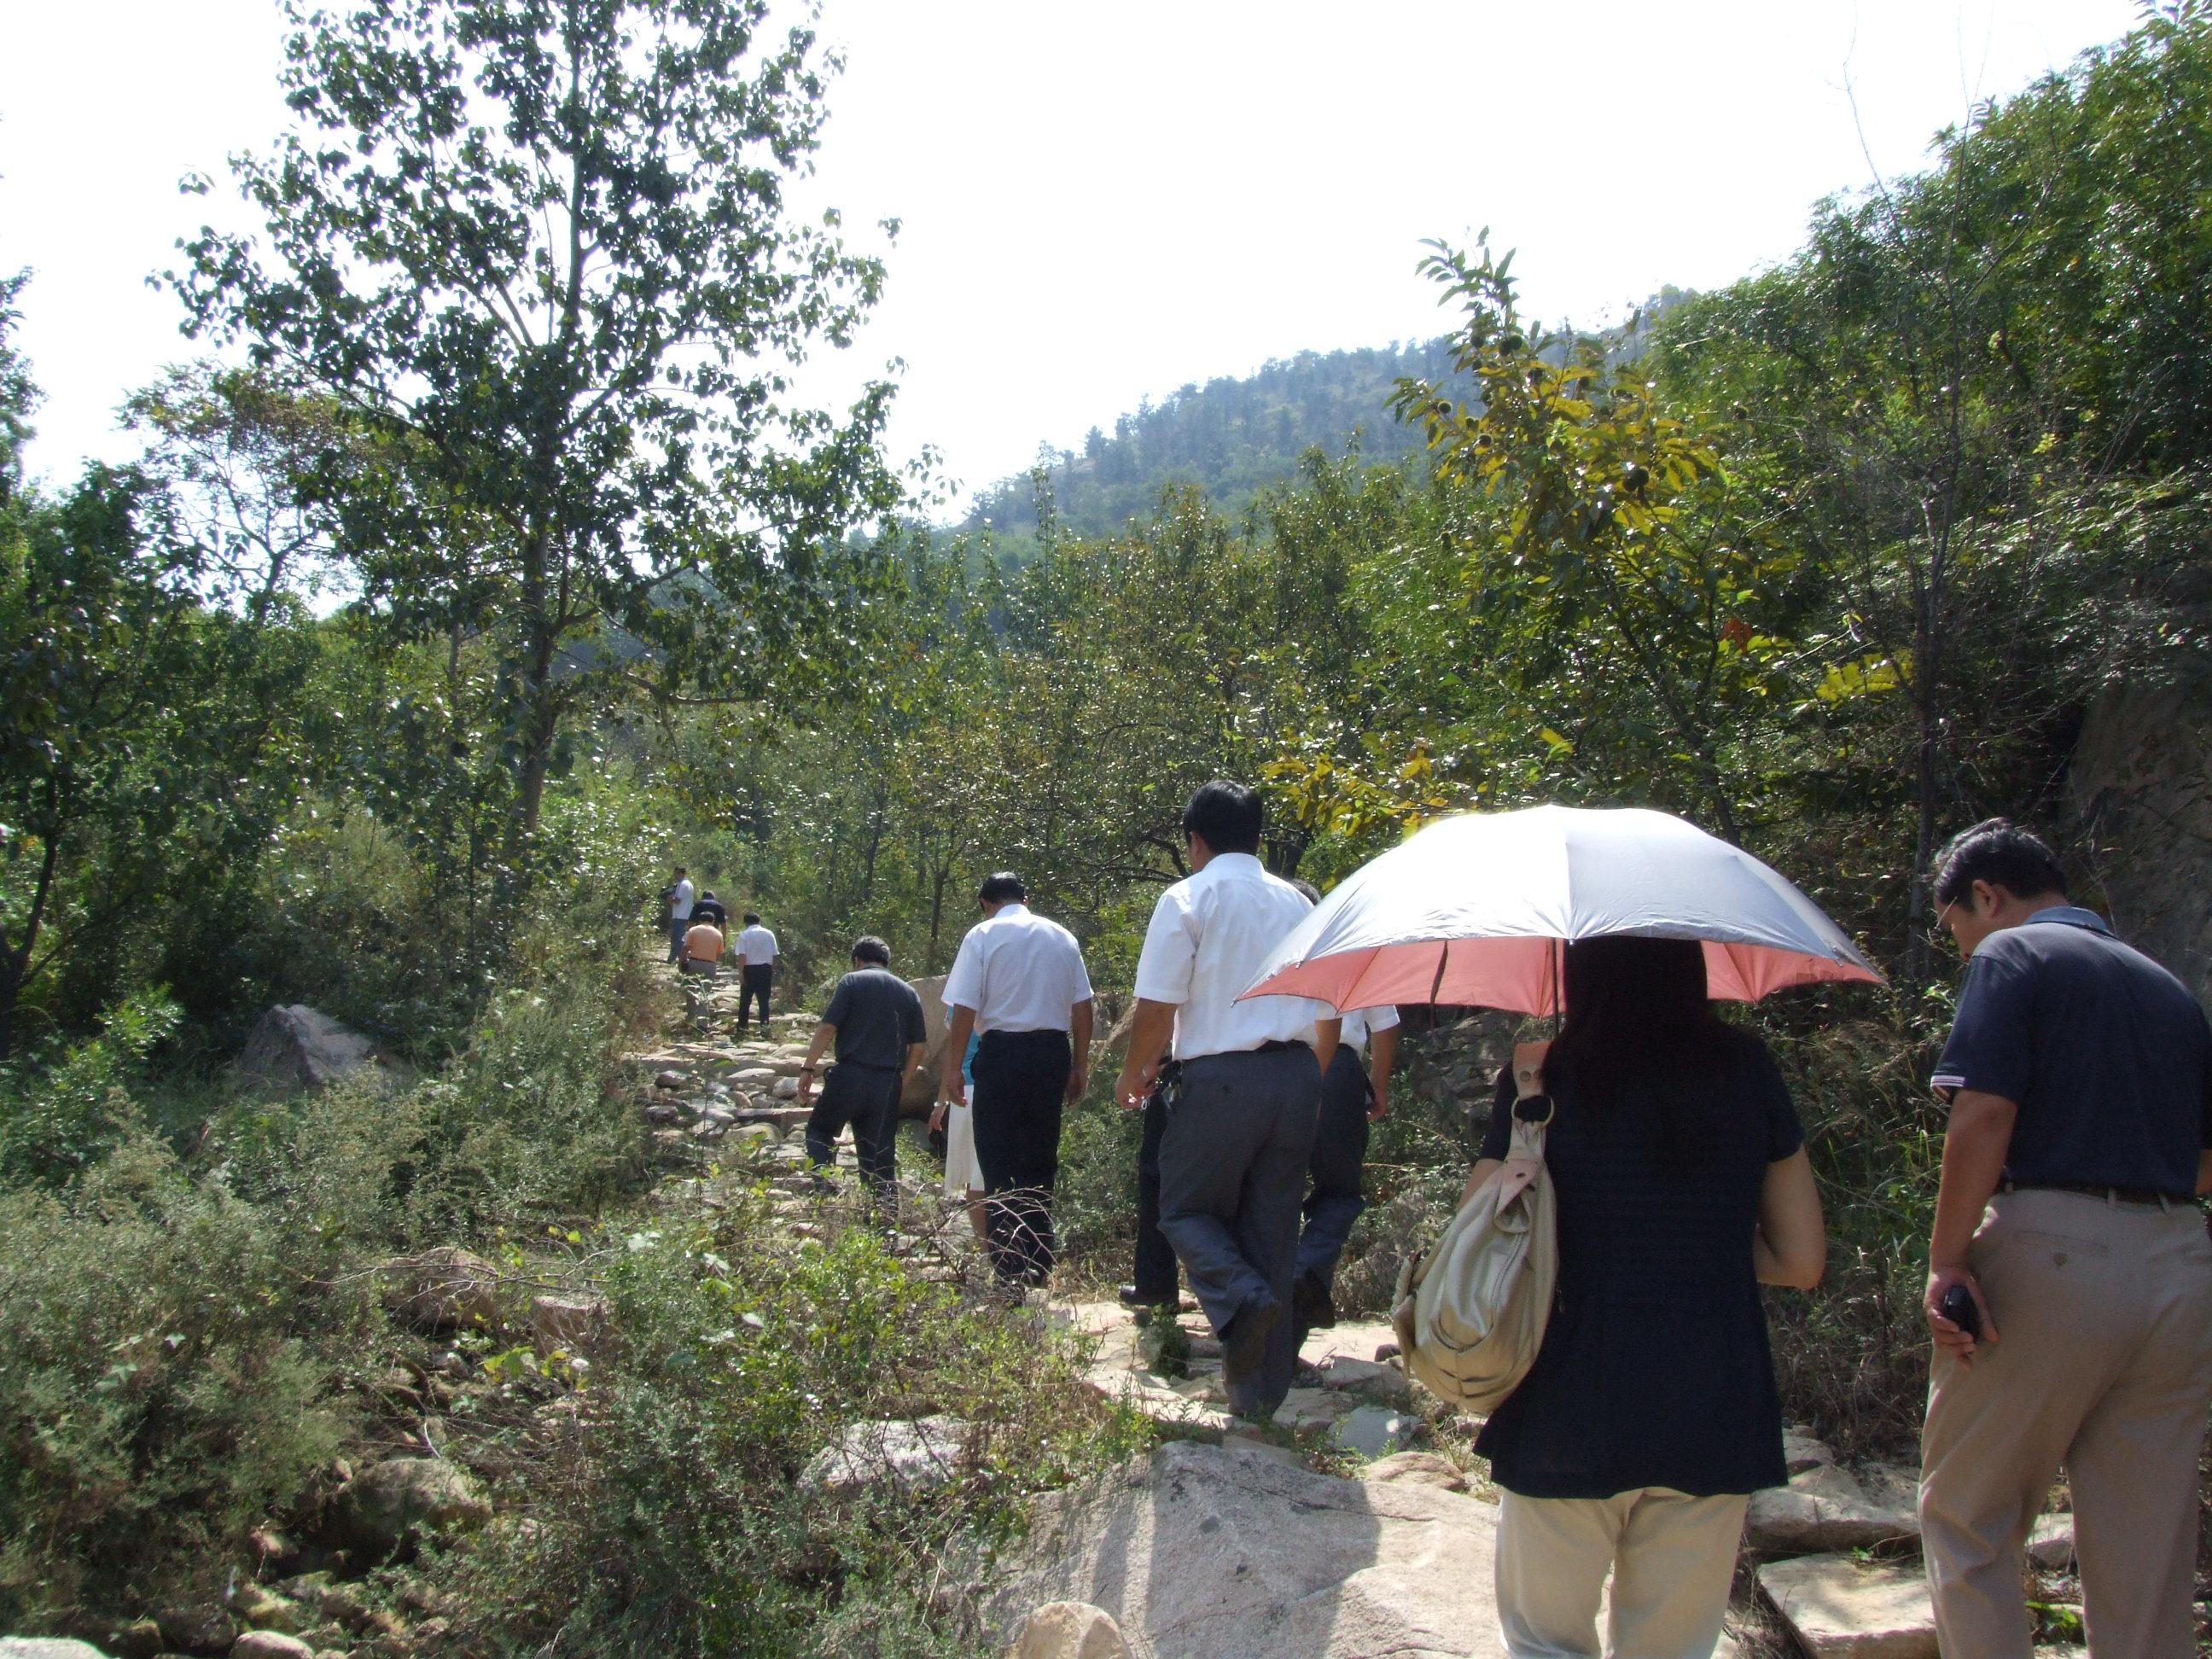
(441,1290)
(294,1047)
(1219,1552)
(929,1451)
(2142,780)
(389,1505)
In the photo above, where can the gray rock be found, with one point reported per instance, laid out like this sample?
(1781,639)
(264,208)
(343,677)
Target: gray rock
(1416,1468)
(270,1644)
(784,1088)
(1374,1430)
(47,1647)
(1310,1408)
(1825,1509)
(1069,1630)
(1841,1608)
(1384,1382)
(1801,1452)
(575,1324)
(2050,1542)
(298,1048)
(202,1628)
(441,1290)
(1219,1552)
(390,1504)
(754,1077)
(926,1452)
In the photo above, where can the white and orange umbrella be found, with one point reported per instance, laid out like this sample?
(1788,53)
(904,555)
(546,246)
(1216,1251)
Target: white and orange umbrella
(1470,911)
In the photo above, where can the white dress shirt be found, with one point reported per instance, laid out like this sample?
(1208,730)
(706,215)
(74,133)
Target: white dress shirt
(1019,972)
(1360,1024)
(1209,935)
(679,902)
(756,946)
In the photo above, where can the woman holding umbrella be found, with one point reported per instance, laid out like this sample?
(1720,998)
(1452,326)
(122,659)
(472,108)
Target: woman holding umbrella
(1649,1413)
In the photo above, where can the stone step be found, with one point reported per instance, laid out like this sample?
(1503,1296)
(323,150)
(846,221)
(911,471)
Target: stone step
(1843,1608)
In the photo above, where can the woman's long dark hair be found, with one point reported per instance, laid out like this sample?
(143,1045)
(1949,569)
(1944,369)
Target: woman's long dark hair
(1637,1012)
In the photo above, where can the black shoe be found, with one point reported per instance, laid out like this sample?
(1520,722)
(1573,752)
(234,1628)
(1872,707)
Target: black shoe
(1244,1344)
(1312,1305)
(1130,1298)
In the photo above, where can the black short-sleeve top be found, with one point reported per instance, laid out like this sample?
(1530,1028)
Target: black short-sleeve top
(1655,1369)
(2106,1054)
(877,1016)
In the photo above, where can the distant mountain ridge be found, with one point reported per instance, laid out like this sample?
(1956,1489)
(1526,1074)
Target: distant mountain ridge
(1233,437)
(1237,436)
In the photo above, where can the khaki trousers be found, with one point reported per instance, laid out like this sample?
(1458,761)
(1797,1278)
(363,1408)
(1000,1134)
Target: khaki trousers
(2103,1364)
(1672,1558)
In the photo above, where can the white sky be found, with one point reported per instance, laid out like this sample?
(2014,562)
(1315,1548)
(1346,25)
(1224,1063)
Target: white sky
(1104,203)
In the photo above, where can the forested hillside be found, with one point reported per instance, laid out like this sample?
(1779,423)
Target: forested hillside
(1234,437)
(1839,560)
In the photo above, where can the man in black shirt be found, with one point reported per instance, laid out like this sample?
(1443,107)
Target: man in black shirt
(2079,1074)
(874,1018)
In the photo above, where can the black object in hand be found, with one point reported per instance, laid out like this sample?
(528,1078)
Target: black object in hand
(1957,1305)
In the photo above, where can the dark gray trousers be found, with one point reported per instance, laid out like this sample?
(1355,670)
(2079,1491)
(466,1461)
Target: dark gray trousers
(1232,1176)
(1339,1153)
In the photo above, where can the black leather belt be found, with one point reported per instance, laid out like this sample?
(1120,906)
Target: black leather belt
(1279,1045)
(2150,1195)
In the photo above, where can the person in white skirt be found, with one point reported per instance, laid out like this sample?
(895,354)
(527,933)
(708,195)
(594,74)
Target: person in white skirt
(963,1176)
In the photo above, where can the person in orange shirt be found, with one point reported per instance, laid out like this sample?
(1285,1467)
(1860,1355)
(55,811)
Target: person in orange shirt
(703,949)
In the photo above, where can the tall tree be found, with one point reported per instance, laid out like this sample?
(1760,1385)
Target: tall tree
(538,252)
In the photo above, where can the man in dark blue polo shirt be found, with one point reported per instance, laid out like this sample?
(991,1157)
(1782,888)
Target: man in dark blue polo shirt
(875,1019)
(2079,1073)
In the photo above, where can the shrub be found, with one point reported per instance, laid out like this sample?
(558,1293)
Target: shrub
(665,1514)
(169,1367)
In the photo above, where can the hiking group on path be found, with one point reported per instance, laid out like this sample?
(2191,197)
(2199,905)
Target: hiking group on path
(2068,1296)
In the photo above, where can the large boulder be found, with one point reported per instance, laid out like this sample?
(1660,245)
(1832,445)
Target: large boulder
(388,1506)
(47,1647)
(1218,1553)
(295,1047)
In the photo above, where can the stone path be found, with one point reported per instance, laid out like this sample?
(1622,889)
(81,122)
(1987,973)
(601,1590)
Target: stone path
(1236,1538)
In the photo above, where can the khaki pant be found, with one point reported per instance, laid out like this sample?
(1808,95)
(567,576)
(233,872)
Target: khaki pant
(1672,1558)
(2103,1364)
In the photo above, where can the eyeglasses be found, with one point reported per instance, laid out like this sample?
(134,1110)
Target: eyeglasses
(1938,935)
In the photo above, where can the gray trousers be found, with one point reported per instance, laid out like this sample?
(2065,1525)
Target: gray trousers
(1232,1176)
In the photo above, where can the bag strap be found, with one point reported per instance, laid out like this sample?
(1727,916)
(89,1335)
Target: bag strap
(1524,1157)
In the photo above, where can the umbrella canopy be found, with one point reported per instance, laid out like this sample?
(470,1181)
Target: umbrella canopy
(1468,910)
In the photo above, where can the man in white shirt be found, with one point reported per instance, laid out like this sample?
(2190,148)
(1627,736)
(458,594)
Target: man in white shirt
(679,913)
(1019,981)
(756,957)
(1353,1095)
(1240,1128)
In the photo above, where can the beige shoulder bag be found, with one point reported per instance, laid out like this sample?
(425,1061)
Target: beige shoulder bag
(1470,1313)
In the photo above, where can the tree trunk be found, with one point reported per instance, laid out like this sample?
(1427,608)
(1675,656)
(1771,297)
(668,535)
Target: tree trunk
(936,914)
(16,959)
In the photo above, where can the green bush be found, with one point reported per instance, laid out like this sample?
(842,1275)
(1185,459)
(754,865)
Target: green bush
(171,1360)
(666,1515)
(60,1114)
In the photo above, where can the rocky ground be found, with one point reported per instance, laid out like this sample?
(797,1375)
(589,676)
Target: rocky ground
(1356,1522)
